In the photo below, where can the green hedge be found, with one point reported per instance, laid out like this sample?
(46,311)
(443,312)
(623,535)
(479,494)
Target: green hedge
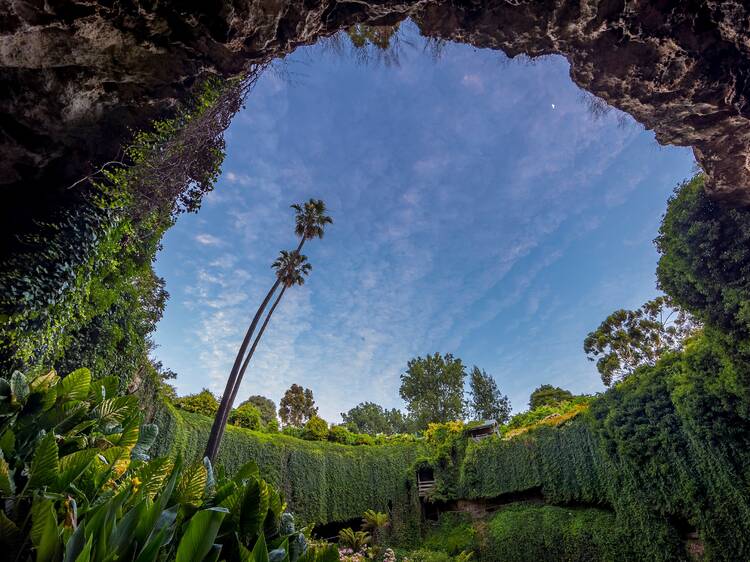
(323,482)
(543,533)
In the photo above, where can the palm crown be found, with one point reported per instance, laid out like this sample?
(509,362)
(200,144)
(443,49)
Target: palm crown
(291,268)
(311,219)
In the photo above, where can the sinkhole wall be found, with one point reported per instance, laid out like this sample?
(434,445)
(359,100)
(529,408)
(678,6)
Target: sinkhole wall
(322,482)
(665,453)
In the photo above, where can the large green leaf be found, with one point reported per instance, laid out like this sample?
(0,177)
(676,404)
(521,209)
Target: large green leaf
(45,386)
(117,410)
(253,508)
(73,465)
(44,466)
(150,551)
(7,441)
(44,533)
(85,555)
(153,475)
(76,543)
(247,471)
(122,534)
(9,532)
(129,432)
(260,551)
(199,536)
(7,486)
(75,386)
(103,388)
(192,485)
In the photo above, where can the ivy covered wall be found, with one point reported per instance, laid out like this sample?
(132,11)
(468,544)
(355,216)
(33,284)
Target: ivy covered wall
(322,482)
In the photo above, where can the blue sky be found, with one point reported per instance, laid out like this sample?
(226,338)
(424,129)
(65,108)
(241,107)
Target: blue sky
(480,209)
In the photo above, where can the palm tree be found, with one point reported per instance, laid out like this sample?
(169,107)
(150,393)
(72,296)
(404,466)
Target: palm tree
(291,269)
(310,222)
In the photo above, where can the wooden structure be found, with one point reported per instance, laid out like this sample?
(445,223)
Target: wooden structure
(483,430)
(425,481)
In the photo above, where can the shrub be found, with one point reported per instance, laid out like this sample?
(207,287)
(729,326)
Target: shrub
(355,540)
(204,403)
(453,535)
(424,555)
(316,429)
(78,485)
(272,426)
(532,533)
(246,416)
(292,431)
(363,439)
(339,434)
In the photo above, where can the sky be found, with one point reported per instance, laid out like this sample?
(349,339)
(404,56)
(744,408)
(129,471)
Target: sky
(480,209)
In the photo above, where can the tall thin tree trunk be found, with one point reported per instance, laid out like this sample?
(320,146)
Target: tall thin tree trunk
(212,447)
(242,370)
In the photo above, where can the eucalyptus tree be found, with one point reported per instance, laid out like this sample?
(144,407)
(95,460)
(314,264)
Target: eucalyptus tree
(310,222)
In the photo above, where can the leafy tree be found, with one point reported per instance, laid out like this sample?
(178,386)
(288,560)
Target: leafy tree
(297,406)
(628,339)
(371,418)
(487,402)
(265,406)
(316,429)
(340,434)
(291,267)
(247,416)
(548,395)
(398,422)
(203,402)
(705,259)
(433,388)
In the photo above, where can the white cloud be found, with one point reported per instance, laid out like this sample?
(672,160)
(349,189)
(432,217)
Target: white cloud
(207,239)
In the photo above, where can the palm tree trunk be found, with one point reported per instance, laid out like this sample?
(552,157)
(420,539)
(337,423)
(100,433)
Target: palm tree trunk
(250,355)
(217,429)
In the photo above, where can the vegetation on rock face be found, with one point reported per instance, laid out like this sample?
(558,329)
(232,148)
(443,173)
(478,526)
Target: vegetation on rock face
(705,259)
(534,533)
(321,481)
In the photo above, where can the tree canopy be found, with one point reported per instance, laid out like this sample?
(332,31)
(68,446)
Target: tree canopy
(266,407)
(371,418)
(487,402)
(548,395)
(204,402)
(628,339)
(705,259)
(297,406)
(433,388)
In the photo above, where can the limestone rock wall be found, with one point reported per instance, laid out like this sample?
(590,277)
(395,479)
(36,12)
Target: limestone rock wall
(76,76)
